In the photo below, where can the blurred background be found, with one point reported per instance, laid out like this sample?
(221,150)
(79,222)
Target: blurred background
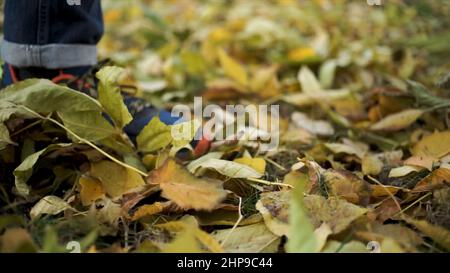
(170,46)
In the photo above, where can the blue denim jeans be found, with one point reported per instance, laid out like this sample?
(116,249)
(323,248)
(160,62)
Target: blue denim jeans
(51,34)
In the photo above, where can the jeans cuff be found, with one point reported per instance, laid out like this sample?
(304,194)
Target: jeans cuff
(51,56)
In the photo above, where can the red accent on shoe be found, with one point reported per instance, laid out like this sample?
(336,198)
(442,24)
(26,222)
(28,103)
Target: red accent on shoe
(69,77)
(202,147)
(12,72)
(63,77)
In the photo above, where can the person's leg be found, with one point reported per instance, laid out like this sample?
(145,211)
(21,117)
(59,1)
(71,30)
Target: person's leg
(51,34)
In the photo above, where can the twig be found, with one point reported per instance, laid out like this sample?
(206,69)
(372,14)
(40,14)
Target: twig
(268,182)
(413,203)
(389,193)
(235,224)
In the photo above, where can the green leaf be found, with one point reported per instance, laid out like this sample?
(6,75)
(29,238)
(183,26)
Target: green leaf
(154,136)
(301,231)
(24,171)
(110,97)
(43,96)
(4,137)
(89,125)
(424,97)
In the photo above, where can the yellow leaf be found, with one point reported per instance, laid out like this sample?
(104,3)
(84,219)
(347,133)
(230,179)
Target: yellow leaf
(439,234)
(397,121)
(91,190)
(247,239)
(232,68)
(186,190)
(301,54)
(371,165)
(257,163)
(383,190)
(116,180)
(154,136)
(435,145)
(147,210)
(185,242)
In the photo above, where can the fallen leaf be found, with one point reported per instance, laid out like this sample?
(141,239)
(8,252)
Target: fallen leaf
(439,234)
(437,179)
(91,190)
(274,207)
(397,121)
(316,127)
(186,190)
(49,205)
(336,212)
(148,210)
(228,168)
(110,97)
(232,68)
(302,237)
(154,136)
(344,184)
(248,239)
(435,145)
(256,163)
(115,179)
(403,171)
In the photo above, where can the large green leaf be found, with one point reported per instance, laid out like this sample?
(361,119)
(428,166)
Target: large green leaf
(87,124)
(110,97)
(43,96)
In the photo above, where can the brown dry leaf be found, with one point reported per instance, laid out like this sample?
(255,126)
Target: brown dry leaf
(116,180)
(379,191)
(344,184)
(91,190)
(337,213)
(386,210)
(186,190)
(437,179)
(274,207)
(435,145)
